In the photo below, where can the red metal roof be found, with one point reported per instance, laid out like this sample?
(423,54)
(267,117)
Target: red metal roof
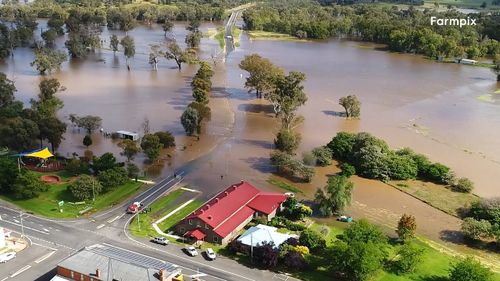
(198,234)
(230,208)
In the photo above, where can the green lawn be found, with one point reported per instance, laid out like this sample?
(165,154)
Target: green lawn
(47,203)
(167,224)
(284,185)
(219,36)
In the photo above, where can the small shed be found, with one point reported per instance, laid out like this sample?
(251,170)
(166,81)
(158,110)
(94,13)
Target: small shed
(128,135)
(468,61)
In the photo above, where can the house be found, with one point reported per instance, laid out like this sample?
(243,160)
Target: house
(104,262)
(256,235)
(222,217)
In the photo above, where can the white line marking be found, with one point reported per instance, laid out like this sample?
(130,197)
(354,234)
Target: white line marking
(43,246)
(16,221)
(5,278)
(46,230)
(100,226)
(27,227)
(20,271)
(112,220)
(44,257)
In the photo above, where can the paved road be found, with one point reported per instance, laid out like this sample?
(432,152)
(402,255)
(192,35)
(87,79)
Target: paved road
(229,31)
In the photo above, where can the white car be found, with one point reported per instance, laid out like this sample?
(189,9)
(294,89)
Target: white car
(290,194)
(210,253)
(229,37)
(160,240)
(7,257)
(192,251)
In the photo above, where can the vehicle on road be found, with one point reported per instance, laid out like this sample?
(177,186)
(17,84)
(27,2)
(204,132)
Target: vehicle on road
(290,194)
(344,219)
(160,240)
(7,257)
(191,251)
(135,207)
(229,37)
(210,254)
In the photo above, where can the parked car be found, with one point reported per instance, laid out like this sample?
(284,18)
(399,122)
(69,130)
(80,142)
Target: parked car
(229,37)
(210,254)
(191,251)
(344,219)
(290,194)
(160,240)
(7,257)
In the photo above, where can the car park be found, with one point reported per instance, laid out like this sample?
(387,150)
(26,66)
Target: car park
(210,254)
(160,240)
(191,251)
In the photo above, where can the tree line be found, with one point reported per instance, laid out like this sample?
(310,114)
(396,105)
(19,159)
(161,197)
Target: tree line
(402,30)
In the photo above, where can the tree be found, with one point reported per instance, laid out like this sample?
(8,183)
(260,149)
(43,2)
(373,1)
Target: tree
(47,104)
(287,96)
(351,105)
(348,170)
(437,172)
(402,167)
(338,195)
(407,226)
(52,129)
(133,170)
(130,149)
(174,52)
(312,240)
(266,255)
(287,165)
(496,66)
(7,90)
(28,185)
(128,48)
(464,185)
(190,121)
(18,134)
(342,145)
(167,26)
(87,141)
(287,141)
(166,139)
(193,39)
(49,36)
(85,187)
(151,146)
(262,74)
(294,260)
(323,156)
(204,112)
(77,167)
(89,122)
(365,232)
(112,178)
(113,43)
(8,173)
(408,257)
(356,260)
(469,269)
(476,229)
(105,162)
(48,60)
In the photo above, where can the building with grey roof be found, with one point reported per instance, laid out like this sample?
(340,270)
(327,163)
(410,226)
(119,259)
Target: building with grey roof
(104,262)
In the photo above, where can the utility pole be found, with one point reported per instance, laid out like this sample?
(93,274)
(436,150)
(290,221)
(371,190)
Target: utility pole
(251,247)
(93,191)
(138,217)
(22,225)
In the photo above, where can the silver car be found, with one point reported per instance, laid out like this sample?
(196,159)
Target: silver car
(160,240)
(192,251)
(210,254)
(7,257)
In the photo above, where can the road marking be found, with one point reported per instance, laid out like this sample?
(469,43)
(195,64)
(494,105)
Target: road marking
(5,278)
(100,226)
(46,230)
(27,227)
(45,257)
(16,221)
(20,271)
(44,246)
(112,220)
(198,275)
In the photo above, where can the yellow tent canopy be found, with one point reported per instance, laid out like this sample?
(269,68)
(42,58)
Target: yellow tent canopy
(41,153)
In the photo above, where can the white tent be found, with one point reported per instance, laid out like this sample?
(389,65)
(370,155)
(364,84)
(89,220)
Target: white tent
(256,235)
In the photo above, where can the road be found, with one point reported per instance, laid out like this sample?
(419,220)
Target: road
(52,241)
(228,32)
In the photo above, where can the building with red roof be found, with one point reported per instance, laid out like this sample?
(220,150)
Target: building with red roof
(222,217)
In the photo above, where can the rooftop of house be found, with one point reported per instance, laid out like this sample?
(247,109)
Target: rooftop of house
(231,207)
(116,263)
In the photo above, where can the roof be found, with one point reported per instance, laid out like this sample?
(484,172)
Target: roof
(231,207)
(116,263)
(42,153)
(59,278)
(256,235)
(198,234)
(127,133)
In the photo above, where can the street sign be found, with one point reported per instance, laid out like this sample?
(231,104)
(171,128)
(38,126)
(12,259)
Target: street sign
(61,204)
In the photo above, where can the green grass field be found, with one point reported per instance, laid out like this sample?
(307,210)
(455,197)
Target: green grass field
(167,224)
(284,185)
(47,203)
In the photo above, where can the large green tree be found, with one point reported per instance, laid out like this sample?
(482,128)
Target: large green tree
(129,149)
(351,105)
(190,120)
(262,74)
(336,195)
(151,146)
(469,269)
(85,187)
(128,45)
(174,52)
(47,60)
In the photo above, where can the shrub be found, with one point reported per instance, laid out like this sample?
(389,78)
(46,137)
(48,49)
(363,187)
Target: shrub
(113,177)
(28,185)
(469,269)
(476,229)
(166,139)
(438,173)
(309,159)
(363,231)
(402,167)
(266,255)
(341,145)
(407,226)
(294,260)
(464,185)
(408,258)
(85,187)
(323,156)
(77,166)
(312,240)
(487,209)
(287,141)
(348,170)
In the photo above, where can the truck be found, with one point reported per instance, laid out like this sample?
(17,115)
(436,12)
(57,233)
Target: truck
(135,207)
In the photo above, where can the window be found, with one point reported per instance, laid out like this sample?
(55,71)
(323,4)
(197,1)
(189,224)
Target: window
(216,239)
(206,226)
(190,221)
(81,277)
(72,274)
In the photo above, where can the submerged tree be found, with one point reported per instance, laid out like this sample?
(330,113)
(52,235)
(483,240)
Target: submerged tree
(190,120)
(338,195)
(174,52)
(128,49)
(48,60)
(496,67)
(113,43)
(167,27)
(352,106)
(261,74)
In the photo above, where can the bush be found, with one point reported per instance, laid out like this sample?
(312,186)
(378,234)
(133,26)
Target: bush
(487,209)
(464,185)
(341,145)
(113,177)
(266,255)
(438,173)
(348,170)
(77,167)
(363,231)
(312,240)
(105,162)
(28,185)
(408,258)
(287,141)
(85,187)
(309,159)
(476,229)
(323,156)
(402,168)
(469,269)
(166,139)
(407,226)
(294,260)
